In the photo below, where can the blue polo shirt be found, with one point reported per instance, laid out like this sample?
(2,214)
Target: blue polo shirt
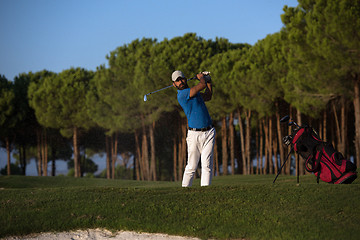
(195,109)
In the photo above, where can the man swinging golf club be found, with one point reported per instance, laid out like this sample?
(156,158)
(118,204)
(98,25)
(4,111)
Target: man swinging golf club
(201,133)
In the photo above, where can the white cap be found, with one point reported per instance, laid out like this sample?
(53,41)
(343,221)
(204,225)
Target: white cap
(175,75)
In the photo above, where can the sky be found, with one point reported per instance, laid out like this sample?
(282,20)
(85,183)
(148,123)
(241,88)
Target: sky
(59,34)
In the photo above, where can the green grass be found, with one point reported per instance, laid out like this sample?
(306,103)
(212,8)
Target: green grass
(234,207)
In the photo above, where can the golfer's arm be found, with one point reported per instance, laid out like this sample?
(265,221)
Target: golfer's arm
(197,88)
(208,92)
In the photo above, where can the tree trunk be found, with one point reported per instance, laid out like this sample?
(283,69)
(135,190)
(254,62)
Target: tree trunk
(231,143)
(44,167)
(44,153)
(300,160)
(224,146)
(266,134)
(114,154)
(153,160)
(108,157)
(338,137)
(8,156)
(216,159)
(343,148)
(76,154)
(184,144)
(261,148)
(280,137)
(270,138)
(325,126)
(139,176)
(53,168)
(344,140)
(333,133)
(182,148)
(23,160)
(276,156)
(145,154)
(39,164)
(180,155)
(357,119)
(288,162)
(248,141)
(175,159)
(242,143)
(116,150)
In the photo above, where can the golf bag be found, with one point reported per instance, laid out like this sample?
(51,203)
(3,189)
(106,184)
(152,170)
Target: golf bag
(320,157)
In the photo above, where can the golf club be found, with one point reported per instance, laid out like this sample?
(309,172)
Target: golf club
(145,96)
(286,119)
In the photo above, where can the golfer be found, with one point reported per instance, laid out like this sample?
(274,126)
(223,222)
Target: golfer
(201,133)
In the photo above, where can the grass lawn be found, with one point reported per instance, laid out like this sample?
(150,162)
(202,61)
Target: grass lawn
(233,207)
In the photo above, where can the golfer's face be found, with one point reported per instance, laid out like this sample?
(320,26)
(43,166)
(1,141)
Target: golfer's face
(180,83)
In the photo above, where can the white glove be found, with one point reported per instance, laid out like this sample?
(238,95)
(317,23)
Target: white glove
(207,76)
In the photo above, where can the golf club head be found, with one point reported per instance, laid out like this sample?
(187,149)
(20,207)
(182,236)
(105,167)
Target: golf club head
(285,119)
(289,121)
(145,98)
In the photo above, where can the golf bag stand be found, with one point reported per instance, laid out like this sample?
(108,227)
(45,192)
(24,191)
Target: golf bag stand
(287,157)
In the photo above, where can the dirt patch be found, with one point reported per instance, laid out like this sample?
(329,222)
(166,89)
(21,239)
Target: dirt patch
(101,234)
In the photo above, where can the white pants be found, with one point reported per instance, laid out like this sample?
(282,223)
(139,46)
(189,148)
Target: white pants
(200,146)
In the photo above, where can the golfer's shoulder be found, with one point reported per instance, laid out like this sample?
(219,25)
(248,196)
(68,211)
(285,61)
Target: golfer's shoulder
(184,92)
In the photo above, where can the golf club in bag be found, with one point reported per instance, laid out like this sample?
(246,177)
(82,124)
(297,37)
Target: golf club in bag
(206,73)
(320,157)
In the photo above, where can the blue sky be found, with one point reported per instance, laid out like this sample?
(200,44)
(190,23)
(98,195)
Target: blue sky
(60,34)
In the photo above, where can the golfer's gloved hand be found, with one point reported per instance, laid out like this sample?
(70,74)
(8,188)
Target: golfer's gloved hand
(207,76)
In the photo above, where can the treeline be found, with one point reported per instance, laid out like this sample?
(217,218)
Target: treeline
(309,70)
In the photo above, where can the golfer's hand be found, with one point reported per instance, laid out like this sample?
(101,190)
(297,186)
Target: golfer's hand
(201,78)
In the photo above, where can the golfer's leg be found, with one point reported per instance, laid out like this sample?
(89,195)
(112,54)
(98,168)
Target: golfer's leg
(193,159)
(207,157)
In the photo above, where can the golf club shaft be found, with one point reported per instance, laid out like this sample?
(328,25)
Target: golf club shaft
(145,96)
(160,90)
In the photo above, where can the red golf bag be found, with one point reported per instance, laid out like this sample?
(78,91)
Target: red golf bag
(320,157)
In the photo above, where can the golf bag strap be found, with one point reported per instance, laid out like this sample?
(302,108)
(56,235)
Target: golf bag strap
(314,161)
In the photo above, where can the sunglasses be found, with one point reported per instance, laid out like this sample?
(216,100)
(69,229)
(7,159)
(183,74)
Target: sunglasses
(179,79)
